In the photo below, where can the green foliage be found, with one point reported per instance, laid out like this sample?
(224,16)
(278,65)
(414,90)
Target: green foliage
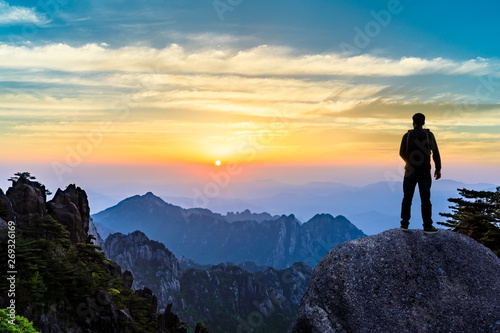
(39,255)
(56,272)
(477,215)
(22,325)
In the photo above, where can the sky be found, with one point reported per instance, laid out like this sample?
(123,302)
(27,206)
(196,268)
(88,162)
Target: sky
(121,96)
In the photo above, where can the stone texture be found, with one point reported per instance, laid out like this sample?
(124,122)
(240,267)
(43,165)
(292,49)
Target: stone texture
(128,279)
(170,321)
(27,199)
(150,262)
(207,292)
(93,231)
(403,282)
(71,208)
(97,314)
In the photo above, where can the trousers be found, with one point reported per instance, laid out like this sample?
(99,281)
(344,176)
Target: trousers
(422,177)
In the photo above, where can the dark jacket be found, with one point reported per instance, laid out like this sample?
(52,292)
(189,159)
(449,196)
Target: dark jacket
(416,149)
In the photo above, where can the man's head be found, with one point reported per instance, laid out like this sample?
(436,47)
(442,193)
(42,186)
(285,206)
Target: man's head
(418,119)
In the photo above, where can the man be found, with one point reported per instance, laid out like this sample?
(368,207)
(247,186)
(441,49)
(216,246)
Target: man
(416,148)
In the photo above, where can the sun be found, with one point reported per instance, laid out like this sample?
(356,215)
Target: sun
(217,163)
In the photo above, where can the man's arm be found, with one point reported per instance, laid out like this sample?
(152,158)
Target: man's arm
(436,156)
(402,149)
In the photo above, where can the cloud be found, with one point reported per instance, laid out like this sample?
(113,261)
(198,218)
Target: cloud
(14,15)
(179,98)
(262,60)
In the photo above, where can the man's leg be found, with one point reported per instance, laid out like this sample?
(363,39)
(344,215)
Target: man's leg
(424,187)
(409,183)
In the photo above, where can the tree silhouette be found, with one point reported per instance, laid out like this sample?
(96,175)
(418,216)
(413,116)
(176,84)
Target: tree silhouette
(477,215)
(28,176)
(19,175)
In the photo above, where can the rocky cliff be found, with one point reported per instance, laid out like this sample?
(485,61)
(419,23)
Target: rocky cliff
(94,233)
(26,199)
(63,283)
(153,265)
(71,208)
(222,296)
(209,239)
(229,299)
(23,200)
(403,282)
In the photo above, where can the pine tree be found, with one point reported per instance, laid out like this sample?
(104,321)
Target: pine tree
(32,179)
(477,215)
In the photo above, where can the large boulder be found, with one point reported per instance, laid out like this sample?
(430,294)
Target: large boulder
(71,208)
(27,199)
(403,282)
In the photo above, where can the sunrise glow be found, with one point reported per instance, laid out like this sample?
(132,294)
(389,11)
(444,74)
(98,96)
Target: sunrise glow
(99,93)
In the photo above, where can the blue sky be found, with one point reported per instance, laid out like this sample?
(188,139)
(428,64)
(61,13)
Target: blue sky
(201,79)
(451,29)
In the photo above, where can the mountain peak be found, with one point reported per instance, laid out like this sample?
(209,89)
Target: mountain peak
(209,238)
(152,197)
(400,281)
(323,216)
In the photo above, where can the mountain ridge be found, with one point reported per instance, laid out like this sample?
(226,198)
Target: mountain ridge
(218,295)
(209,239)
(304,201)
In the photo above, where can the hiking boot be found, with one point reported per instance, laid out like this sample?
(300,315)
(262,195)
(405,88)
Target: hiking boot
(430,230)
(404,225)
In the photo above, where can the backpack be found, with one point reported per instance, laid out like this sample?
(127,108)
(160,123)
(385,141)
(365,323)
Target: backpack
(426,131)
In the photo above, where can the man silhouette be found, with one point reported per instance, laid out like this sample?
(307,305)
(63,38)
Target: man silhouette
(416,148)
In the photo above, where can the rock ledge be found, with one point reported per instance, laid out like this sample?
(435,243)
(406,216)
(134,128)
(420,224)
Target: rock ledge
(403,282)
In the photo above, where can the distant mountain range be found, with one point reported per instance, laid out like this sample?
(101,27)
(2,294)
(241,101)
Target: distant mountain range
(372,208)
(209,238)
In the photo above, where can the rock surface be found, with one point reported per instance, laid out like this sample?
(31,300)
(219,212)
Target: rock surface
(151,263)
(27,199)
(403,282)
(224,297)
(97,239)
(71,208)
(229,299)
(96,313)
